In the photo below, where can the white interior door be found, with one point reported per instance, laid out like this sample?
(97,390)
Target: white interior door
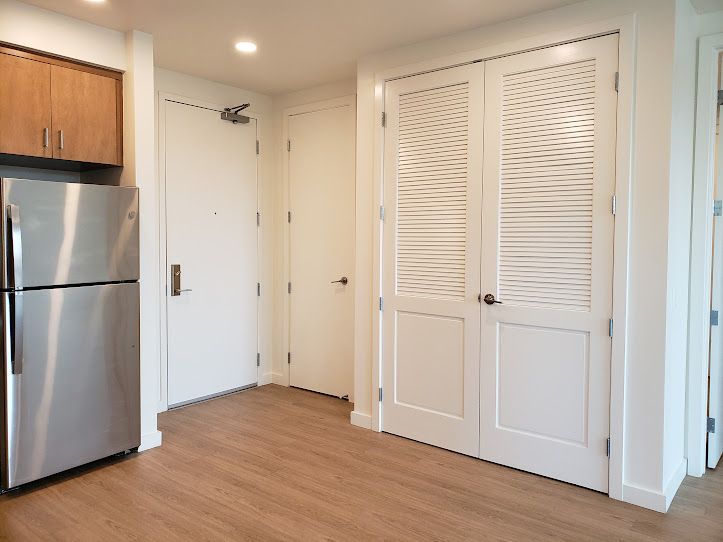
(715,367)
(321,251)
(431,257)
(211,205)
(549,177)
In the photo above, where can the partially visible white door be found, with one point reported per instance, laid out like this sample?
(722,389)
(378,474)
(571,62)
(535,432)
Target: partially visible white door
(431,255)
(321,197)
(549,177)
(715,367)
(211,205)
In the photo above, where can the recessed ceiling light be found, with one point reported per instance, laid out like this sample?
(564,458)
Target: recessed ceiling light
(246,46)
(96,1)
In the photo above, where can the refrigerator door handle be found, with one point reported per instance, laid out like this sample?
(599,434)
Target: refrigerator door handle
(16,332)
(15,245)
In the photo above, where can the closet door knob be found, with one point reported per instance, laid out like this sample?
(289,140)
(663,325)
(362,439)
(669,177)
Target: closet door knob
(490,299)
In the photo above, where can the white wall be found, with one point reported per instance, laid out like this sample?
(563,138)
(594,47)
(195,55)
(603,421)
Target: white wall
(654,421)
(170,82)
(45,31)
(280,104)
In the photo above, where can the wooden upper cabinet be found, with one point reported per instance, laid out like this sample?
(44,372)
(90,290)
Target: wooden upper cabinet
(25,120)
(55,108)
(85,117)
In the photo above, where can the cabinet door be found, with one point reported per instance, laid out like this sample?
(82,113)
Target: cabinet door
(24,106)
(86,117)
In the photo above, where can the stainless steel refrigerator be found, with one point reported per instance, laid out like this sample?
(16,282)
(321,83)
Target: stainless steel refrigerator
(70,326)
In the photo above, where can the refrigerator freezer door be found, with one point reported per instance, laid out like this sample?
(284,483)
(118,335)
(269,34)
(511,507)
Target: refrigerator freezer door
(77,398)
(69,233)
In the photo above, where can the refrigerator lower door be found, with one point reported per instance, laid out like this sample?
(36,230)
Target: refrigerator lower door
(75,397)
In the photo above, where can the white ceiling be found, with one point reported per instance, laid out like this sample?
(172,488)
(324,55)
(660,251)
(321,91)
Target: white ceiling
(301,43)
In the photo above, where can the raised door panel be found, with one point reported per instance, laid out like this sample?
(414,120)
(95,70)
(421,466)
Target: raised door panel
(86,117)
(24,106)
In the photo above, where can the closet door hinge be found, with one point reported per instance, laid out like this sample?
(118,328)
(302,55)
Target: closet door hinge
(720,97)
(610,327)
(710,425)
(257,147)
(288,145)
(258,219)
(288,217)
(717,207)
(381,395)
(381,303)
(258,359)
(617,81)
(381,213)
(713,318)
(614,205)
(607,449)
(384,119)
(289,287)
(258,289)
(288,358)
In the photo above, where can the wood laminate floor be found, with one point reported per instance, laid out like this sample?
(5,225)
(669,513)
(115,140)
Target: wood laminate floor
(282,464)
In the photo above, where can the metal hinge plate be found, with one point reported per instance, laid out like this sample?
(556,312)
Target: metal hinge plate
(289,287)
(258,359)
(384,119)
(381,212)
(288,358)
(288,217)
(607,449)
(714,318)
(381,395)
(381,303)
(258,219)
(720,97)
(710,426)
(257,147)
(614,205)
(610,327)
(617,81)
(718,207)
(288,145)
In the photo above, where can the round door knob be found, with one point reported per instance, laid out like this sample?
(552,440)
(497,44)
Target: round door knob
(490,299)
(342,280)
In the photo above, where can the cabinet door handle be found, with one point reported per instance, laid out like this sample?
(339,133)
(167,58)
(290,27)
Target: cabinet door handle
(62,140)
(46,138)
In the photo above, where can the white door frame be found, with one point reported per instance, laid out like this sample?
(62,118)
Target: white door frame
(626,27)
(162,98)
(701,252)
(285,346)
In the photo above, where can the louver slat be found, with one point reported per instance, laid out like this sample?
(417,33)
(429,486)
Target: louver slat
(432,192)
(546,190)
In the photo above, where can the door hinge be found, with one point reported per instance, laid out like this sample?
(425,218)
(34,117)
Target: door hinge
(288,145)
(381,213)
(288,217)
(614,205)
(289,287)
(710,425)
(257,147)
(713,318)
(288,358)
(718,207)
(384,119)
(617,81)
(607,449)
(381,303)
(258,289)
(381,395)
(720,97)
(258,359)
(258,219)
(610,327)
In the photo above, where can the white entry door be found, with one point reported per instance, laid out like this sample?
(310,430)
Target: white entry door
(211,205)
(715,367)
(549,178)
(321,251)
(431,257)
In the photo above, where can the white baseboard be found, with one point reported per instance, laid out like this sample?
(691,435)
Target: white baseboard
(265,378)
(150,440)
(656,500)
(278,378)
(361,420)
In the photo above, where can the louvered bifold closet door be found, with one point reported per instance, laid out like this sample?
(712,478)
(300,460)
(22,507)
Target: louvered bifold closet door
(549,166)
(431,254)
